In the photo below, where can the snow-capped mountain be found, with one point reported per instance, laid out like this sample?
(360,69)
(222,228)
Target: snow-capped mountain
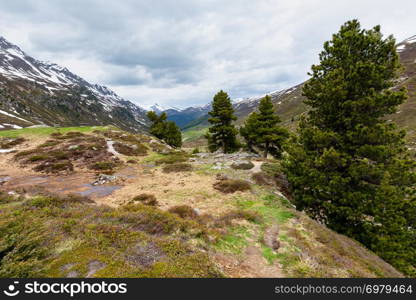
(182,116)
(46,93)
(162,108)
(406,43)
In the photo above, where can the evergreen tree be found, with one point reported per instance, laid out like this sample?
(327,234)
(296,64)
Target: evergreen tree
(349,167)
(158,126)
(173,135)
(261,130)
(164,130)
(222,134)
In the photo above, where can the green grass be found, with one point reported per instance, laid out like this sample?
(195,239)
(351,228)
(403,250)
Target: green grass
(269,254)
(194,134)
(269,206)
(235,241)
(44,131)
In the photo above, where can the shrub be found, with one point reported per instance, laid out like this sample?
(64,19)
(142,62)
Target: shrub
(175,157)
(49,143)
(103,165)
(7,143)
(58,155)
(20,154)
(38,157)
(231,186)
(195,151)
(73,134)
(146,199)
(55,167)
(130,150)
(261,178)
(184,211)
(271,168)
(177,167)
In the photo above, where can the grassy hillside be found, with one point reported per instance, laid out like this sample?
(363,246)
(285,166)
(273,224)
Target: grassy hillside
(155,213)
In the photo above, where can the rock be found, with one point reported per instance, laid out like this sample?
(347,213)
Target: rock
(164,151)
(218,166)
(202,155)
(221,177)
(3,180)
(103,179)
(73,147)
(93,267)
(271,236)
(72,274)
(242,165)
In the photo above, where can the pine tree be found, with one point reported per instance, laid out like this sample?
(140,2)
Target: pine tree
(164,130)
(158,126)
(222,134)
(173,135)
(261,130)
(349,168)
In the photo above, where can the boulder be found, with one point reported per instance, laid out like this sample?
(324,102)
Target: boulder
(242,165)
(103,179)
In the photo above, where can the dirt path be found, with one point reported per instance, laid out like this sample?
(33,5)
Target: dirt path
(110,148)
(251,264)
(257,166)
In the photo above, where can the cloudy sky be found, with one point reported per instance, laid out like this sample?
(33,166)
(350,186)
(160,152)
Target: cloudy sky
(180,53)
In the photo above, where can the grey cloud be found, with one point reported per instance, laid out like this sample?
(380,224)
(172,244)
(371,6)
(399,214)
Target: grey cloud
(182,52)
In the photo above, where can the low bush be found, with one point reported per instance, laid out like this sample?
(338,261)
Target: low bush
(146,199)
(55,167)
(49,143)
(177,167)
(103,165)
(52,236)
(7,143)
(231,186)
(184,211)
(131,150)
(38,157)
(261,178)
(175,157)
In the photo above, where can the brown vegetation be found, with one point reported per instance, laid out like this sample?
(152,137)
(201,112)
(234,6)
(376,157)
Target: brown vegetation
(232,185)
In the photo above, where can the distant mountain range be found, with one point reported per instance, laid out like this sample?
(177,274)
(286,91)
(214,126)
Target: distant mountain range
(289,103)
(34,92)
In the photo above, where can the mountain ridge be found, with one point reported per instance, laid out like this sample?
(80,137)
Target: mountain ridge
(33,91)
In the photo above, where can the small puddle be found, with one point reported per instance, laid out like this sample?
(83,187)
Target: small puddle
(128,172)
(98,190)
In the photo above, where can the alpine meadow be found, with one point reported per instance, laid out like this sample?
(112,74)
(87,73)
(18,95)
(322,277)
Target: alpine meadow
(272,139)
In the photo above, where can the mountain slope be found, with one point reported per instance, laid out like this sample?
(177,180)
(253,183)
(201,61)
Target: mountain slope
(33,92)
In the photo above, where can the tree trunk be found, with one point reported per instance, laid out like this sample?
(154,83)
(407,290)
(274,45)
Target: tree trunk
(266,150)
